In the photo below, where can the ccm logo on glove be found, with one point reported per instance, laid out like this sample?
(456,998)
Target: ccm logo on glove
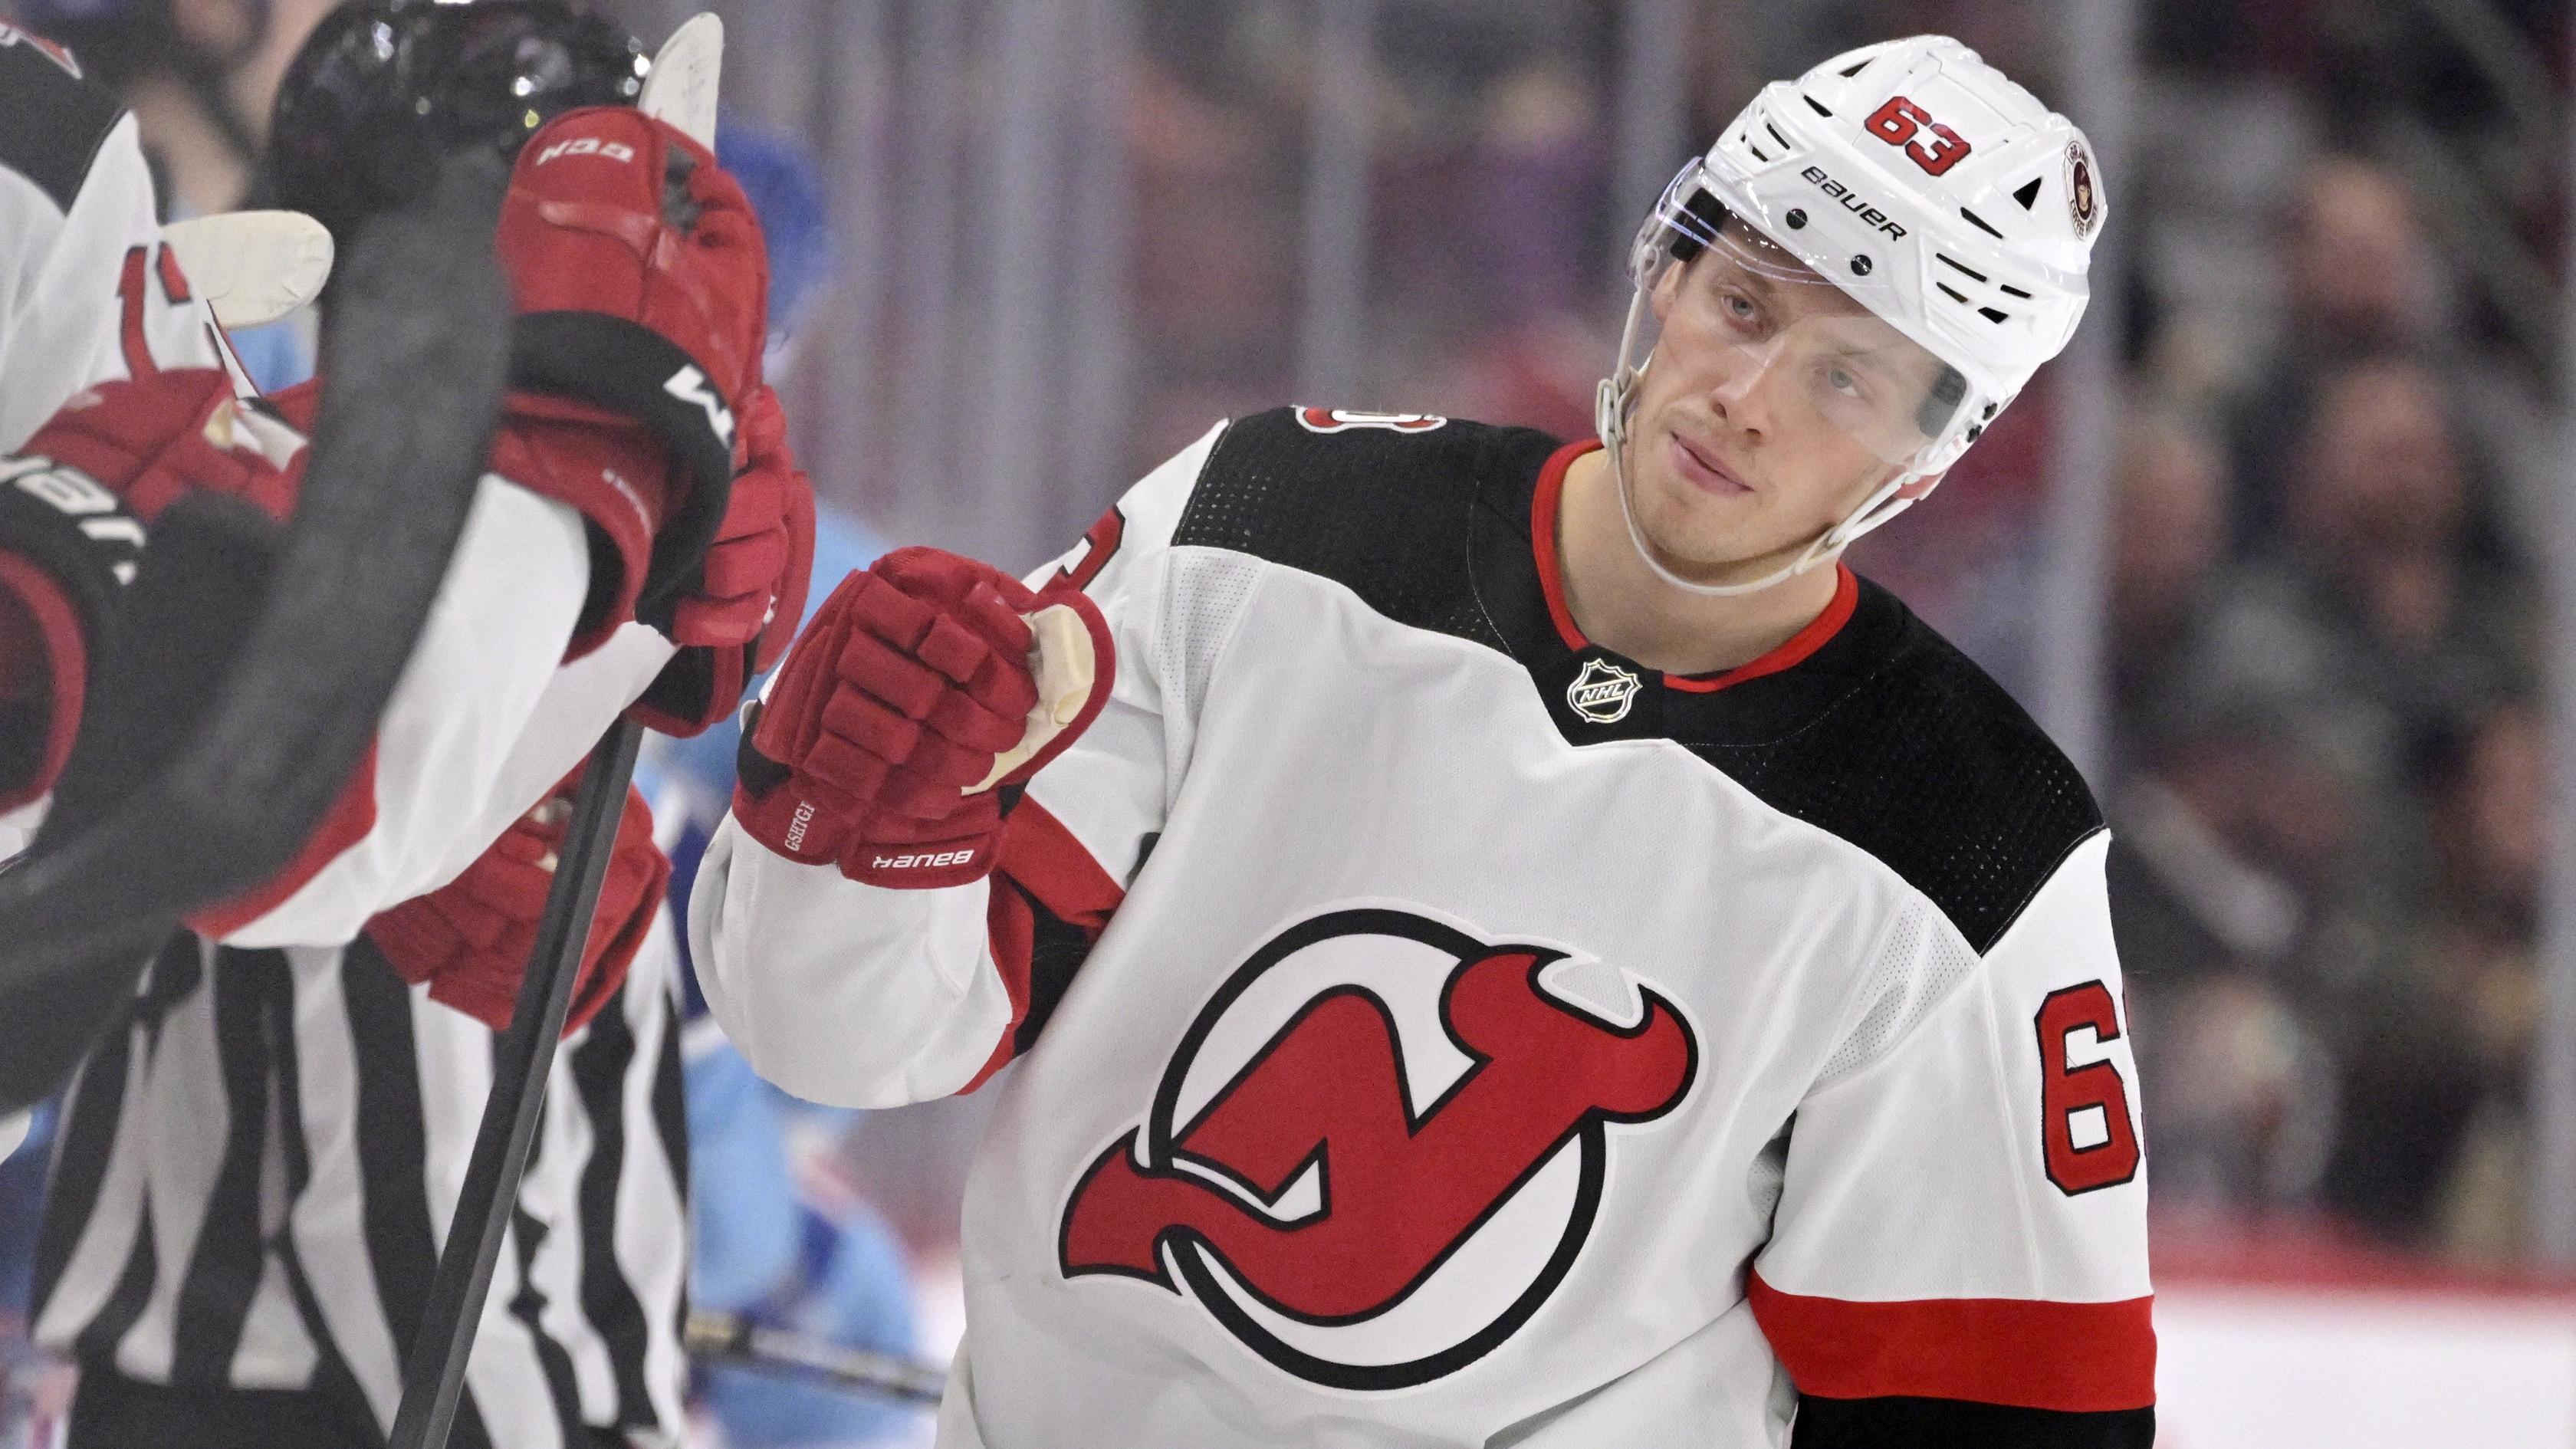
(690,386)
(587,146)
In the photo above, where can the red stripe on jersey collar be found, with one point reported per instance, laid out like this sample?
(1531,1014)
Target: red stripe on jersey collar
(1551,581)
(1551,575)
(2077,1358)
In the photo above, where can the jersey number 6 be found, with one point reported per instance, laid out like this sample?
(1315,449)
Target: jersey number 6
(2091,1100)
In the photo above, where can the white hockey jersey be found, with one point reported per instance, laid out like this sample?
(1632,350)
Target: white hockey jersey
(92,293)
(193,1238)
(1435,1029)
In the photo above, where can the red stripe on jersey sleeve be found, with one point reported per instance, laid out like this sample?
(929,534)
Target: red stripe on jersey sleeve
(174,282)
(351,816)
(1042,867)
(132,299)
(2069,1357)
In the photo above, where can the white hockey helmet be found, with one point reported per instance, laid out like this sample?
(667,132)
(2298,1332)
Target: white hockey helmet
(1930,188)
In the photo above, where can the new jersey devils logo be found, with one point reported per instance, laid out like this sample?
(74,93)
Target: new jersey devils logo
(1381,1145)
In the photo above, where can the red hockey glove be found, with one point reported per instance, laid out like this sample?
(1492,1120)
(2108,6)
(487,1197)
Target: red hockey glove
(749,594)
(642,289)
(154,440)
(925,693)
(471,938)
(75,506)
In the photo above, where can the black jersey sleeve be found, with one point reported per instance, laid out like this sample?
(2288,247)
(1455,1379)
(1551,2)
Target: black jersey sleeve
(1951,1424)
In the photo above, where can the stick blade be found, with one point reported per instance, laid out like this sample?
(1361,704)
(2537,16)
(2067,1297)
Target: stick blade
(687,74)
(253,267)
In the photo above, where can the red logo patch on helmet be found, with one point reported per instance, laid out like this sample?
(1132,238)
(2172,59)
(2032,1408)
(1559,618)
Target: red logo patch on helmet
(2080,195)
(1379,1148)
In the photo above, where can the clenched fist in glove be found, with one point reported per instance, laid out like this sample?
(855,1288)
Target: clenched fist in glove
(926,691)
(747,597)
(76,505)
(471,938)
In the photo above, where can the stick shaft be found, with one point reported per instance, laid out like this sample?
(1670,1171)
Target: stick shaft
(728,1338)
(434,1367)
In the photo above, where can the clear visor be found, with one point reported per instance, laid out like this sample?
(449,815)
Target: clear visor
(1780,350)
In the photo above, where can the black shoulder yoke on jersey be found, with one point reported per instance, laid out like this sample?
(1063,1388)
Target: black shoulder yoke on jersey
(1886,736)
(56,121)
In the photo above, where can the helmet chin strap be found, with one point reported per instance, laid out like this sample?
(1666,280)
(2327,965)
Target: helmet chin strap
(1610,418)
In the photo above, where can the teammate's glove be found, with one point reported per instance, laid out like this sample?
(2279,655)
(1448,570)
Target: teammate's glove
(925,693)
(642,290)
(471,938)
(745,603)
(75,507)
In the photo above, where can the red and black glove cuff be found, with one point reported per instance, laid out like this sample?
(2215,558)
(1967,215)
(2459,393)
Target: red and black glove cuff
(699,686)
(67,548)
(44,678)
(635,372)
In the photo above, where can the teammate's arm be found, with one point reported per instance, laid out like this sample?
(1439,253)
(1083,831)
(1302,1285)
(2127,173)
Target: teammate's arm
(92,293)
(638,274)
(874,957)
(566,537)
(1959,1256)
(88,293)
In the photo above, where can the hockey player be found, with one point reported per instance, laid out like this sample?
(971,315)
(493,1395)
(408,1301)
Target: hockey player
(86,278)
(1521,946)
(80,245)
(257,1167)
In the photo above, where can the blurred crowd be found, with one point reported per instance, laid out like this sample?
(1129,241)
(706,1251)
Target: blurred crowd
(2327,773)
(2327,644)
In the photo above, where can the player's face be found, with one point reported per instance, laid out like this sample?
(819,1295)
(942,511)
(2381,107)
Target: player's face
(1774,405)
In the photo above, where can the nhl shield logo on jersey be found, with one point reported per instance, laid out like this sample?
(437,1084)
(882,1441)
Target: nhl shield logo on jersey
(1382,1144)
(1603,692)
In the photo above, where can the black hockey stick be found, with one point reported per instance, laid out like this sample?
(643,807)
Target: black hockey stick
(166,816)
(730,1338)
(434,1364)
